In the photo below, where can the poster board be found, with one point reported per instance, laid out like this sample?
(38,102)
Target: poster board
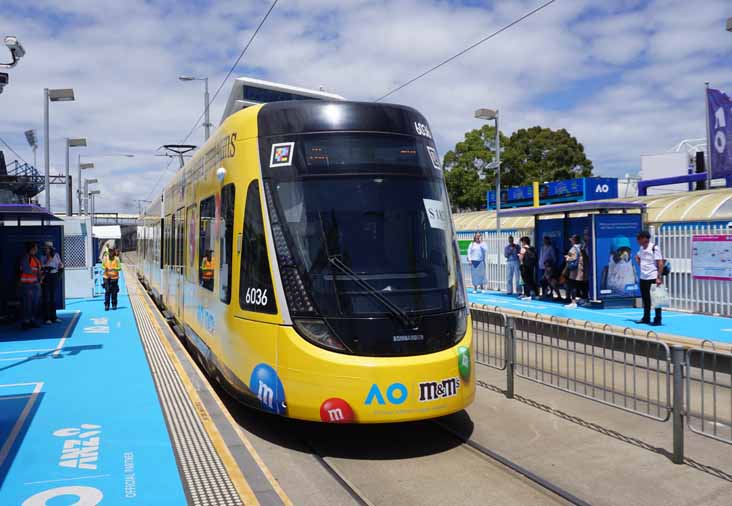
(615,246)
(711,257)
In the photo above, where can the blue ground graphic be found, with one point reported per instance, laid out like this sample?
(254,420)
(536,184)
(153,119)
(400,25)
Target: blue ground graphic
(79,413)
(697,326)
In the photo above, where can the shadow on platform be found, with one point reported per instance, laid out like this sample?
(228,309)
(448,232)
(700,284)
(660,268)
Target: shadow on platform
(15,419)
(713,471)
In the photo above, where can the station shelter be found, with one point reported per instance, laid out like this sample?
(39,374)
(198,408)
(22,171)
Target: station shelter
(19,224)
(607,231)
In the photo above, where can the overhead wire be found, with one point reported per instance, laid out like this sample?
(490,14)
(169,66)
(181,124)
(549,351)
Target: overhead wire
(216,93)
(11,149)
(469,48)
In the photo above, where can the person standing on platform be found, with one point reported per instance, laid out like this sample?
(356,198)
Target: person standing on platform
(511,253)
(528,259)
(575,271)
(476,257)
(112,266)
(52,266)
(548,256)
(30,285)
(651,262)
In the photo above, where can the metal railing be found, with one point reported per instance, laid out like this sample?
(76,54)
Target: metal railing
(642,376)
(709,393)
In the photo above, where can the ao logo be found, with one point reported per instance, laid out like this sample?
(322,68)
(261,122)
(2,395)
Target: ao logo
(602,188)
(396,393)
(268,389)
(86,496)
(720,123)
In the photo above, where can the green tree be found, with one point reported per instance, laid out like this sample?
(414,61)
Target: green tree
(542,154)
(533,154)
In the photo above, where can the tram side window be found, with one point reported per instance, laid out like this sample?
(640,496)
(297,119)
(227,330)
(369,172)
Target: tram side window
(191,224)
(255,281)
(206,244)
(226,231)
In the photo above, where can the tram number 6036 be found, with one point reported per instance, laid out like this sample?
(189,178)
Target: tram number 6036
(422,129)
(256,296)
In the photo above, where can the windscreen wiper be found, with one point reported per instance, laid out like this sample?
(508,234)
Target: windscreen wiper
(393,308)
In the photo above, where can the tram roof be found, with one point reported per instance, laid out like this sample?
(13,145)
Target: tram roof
(246,92)
(698,206)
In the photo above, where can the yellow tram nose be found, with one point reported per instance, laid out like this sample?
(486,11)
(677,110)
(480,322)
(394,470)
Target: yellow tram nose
(321,385)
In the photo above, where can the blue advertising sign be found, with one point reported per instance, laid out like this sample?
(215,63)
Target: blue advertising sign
(615,237)
(571,190)
(720,129)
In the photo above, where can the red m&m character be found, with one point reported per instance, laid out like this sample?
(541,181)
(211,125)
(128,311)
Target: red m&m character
(335,410)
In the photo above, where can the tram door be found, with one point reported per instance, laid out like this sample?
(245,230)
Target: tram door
(178,273)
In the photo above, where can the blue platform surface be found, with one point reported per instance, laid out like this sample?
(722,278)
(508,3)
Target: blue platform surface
(80,420)
(695,326)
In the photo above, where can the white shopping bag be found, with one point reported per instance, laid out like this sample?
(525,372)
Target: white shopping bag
(659,296)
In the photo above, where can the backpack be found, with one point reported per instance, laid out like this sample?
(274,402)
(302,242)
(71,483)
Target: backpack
(530,258)
(666,265)
(573,265)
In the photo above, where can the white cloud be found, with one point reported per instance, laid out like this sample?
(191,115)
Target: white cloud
(637,67)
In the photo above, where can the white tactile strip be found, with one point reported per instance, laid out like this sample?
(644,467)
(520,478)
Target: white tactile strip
(205,479)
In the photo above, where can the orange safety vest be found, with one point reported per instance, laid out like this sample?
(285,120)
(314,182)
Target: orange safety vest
(112,268)
(32,278)
(207,269)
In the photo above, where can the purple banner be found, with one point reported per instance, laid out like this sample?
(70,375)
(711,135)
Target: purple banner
(720,131)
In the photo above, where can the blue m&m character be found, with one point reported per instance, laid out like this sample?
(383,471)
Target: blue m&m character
(268,388)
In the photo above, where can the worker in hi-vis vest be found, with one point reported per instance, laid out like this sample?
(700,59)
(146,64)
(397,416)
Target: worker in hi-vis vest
(207,270)
(112,266)
(30,285)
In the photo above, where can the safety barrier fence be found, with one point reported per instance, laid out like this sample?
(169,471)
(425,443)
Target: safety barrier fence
(645,377)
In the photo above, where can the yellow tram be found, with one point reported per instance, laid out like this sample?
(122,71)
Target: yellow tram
(307,252)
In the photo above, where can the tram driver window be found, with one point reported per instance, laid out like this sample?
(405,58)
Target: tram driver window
(206,269)
(255,281)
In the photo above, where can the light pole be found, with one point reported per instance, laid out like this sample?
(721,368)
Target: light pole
(91,221)
(206,120)
(83,166)
(71,143)
(79,167)
(87,182)
(57,95)
(489,114)
(30,136)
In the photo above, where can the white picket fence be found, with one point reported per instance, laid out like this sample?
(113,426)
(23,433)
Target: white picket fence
(495,262)
(688,294)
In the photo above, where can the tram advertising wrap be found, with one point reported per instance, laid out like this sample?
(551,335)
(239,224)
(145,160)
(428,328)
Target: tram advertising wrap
(614,244)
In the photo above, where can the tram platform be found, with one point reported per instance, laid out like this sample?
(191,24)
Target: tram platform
(95,409)
(688,329)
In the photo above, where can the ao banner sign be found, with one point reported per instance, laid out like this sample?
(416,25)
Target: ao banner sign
(615,244)
(711,257)
(720,131)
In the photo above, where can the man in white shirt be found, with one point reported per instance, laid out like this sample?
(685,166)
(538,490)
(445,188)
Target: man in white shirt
(650,260)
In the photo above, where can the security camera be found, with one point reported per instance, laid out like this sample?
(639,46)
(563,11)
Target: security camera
(14,46)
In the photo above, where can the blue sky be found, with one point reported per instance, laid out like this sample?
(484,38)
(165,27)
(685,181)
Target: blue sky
(625,77)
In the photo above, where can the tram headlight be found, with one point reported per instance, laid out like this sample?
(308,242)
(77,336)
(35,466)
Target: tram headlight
(461,324)
(318,332)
